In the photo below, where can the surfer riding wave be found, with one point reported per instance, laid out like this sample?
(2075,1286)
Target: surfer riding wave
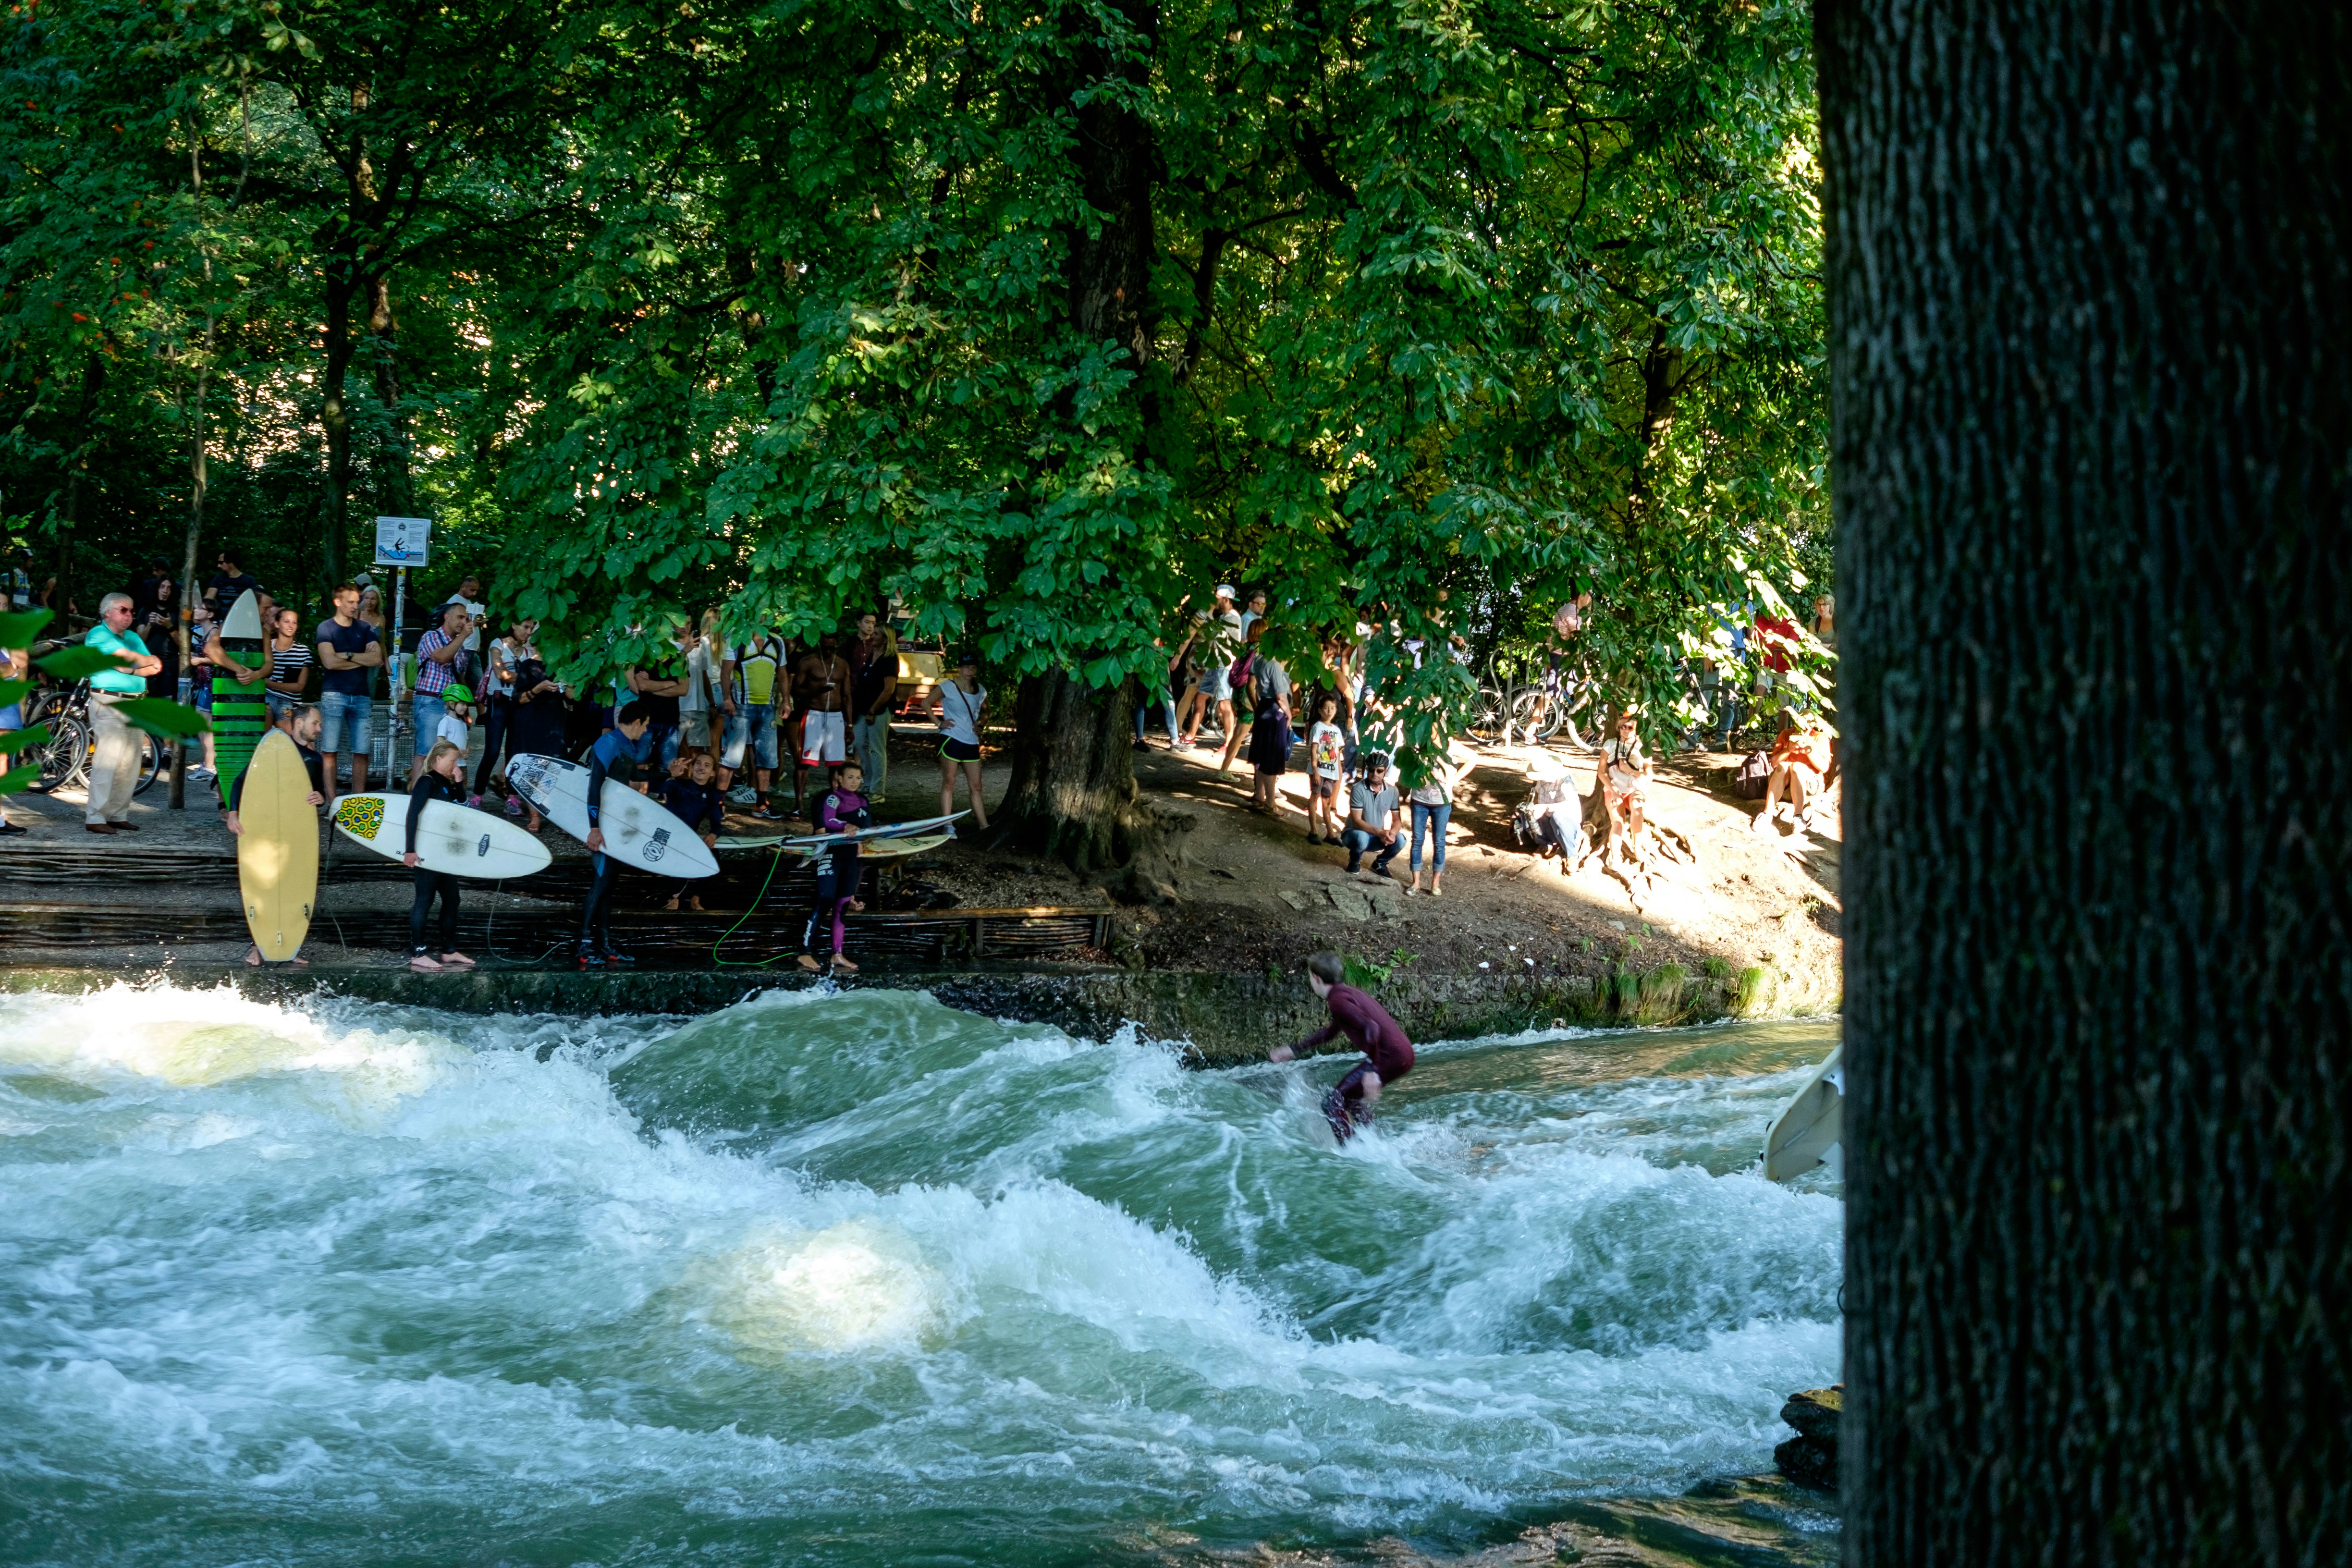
(1388,1055)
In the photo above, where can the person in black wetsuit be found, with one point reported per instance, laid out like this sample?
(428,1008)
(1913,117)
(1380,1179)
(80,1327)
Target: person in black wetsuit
(302,725)
(618,755)
(443,778)
(1388,1055)
(693,796)
(843,810)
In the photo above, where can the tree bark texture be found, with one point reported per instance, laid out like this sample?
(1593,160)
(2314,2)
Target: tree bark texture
(335,419)
(1073,787)
(395,491)
(2091,342)
(1073,769)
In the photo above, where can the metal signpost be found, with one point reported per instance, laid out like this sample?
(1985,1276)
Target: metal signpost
(400,542)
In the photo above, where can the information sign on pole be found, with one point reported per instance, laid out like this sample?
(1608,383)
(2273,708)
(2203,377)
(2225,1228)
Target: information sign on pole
(402,541)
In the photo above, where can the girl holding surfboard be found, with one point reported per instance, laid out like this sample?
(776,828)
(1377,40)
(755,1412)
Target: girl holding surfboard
(442,779)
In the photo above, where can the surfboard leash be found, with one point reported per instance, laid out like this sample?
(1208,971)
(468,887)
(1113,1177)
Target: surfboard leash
(775,860)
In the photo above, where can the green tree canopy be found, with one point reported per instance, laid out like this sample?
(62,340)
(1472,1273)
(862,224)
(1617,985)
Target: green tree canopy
(1041,318)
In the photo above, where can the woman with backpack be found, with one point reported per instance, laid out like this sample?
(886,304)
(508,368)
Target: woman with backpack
(1272,739)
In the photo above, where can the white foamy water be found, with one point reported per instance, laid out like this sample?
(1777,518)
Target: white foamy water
(859,1278)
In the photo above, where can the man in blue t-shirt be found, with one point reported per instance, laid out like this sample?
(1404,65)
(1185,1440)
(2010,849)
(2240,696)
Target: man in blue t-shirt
(114,761)
(348,648)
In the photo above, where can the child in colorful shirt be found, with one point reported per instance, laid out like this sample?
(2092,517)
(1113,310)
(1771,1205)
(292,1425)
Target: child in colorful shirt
(1327,747)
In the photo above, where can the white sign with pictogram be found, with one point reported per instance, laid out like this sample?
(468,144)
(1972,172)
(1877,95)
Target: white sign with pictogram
(402,541)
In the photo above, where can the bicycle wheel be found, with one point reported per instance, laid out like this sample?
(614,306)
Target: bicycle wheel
(1486,726)
(66,759)
(154,761)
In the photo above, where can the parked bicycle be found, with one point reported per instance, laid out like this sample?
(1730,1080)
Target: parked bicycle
(65,760)
(1540,710)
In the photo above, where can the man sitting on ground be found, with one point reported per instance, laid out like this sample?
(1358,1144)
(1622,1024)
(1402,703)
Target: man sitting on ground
(1800,761)
(1371,819)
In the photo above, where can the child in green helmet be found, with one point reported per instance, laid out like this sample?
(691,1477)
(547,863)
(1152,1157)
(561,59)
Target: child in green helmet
(456,715)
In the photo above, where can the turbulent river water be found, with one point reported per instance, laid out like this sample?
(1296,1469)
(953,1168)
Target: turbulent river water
(858,1279)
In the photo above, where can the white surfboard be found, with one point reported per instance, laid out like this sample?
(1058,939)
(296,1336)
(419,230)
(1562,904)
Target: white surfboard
(638,830)
(243,621)
(888,830)
(453,838)
(1812,1125)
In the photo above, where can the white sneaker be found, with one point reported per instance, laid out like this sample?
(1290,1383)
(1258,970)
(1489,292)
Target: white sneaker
(744,795)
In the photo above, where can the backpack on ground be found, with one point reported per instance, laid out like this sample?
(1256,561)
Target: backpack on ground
(1754,775)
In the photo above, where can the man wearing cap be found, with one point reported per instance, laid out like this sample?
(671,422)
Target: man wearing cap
(1219,633)
(1371,819)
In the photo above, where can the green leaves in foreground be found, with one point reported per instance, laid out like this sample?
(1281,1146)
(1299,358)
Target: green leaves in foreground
(161,716)
(17,740)
(78,663)
(17,780)
(18,629)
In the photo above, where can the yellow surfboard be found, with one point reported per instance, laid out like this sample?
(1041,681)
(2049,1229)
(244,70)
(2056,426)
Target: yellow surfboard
(277,853)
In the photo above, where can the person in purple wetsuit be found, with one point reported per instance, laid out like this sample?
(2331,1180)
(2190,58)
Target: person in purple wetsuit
(1388,1055)
(843,810)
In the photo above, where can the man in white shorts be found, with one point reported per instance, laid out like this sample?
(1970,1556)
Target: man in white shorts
(1218,636)
(822,680)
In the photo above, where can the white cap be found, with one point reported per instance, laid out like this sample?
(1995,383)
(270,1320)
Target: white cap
(1224,590)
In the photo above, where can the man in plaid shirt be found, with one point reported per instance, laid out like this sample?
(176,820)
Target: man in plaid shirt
(441,659)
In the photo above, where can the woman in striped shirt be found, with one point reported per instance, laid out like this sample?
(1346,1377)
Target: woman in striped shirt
(290,661)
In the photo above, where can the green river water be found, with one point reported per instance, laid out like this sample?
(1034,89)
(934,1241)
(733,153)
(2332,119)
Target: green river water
(860,1280)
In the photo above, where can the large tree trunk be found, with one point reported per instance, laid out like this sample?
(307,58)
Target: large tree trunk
(2091,315)
(1074,771)
(395,491)
(1073,786)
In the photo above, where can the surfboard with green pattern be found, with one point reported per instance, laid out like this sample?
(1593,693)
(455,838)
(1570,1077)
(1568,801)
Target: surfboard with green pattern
(241,712)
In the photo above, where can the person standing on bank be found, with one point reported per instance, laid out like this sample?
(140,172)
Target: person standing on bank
(823,681)
(290,659)
(1432,804)
(956,704)
(843,810)
(441,659)
(752,671)
(618,753)
(873,693)
(1272,739)
(499,709)
(301,726)
(443,777)
(1218,633)
(115,765)
(1387,1054)
(15,664)
(1326,752)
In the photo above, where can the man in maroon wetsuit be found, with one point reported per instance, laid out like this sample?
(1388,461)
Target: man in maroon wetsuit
(1388,1055)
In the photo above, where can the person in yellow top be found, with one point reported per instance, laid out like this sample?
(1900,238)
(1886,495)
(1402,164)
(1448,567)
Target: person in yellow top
(749,676)
(114,766)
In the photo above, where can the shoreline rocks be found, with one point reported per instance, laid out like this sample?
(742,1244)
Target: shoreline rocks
(1811,1457)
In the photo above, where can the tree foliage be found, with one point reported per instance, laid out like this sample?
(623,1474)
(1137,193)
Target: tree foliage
(1422,314)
